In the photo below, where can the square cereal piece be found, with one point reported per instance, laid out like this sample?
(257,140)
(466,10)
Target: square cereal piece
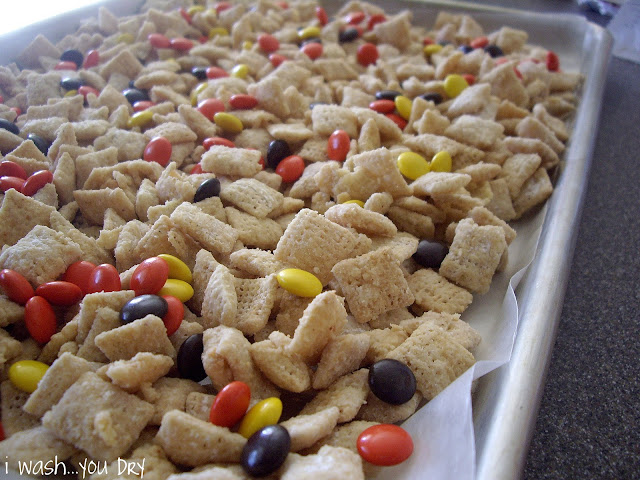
(290,132)
(236,162)
(136,169)
(93,203)
(174,184)
(531,127)
(92,302)
(9,346)
(501,204)
(256,262)
(210,232)
(436,183)
(363,221)
(534,191)
(19,214)
(483,216)
(124,63)
(192,442)
(341,355)
(41,256)
(202,270)
(256,298)
(306,430)
(226,357)
(307,239)
(66,336)
(64,178)
(14,418)
(290,310)
(314,149)
(474,255)
(533,145)
(345,435)
(98,417)
(33,445)
(129,239)
(375,410)
(428,144)
(373,283)
(422,207)
(410,222)
(62,373)
(252,196)
(434,292)
(199,405)
(403,245)
(322,320)
(10,312)
(270,94)
(517,169)
(197,122)
(506,85)
(38,47)
(348,393)
(145,335)
(87,162)
(434,358)
(328,118)
(171,394)
(286,371)
(379,202)
(392,317)
(369,138)
(174,132)
(457,329)
(474,131)
(144,367)
(220,301)
(91,251)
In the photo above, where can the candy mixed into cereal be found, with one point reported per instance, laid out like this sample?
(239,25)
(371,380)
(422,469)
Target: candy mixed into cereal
(238,238)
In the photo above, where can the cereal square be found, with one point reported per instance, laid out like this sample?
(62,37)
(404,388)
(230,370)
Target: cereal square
(342,355)
(434,292)
(256,298)
(19,214)
(306,430)
(362,220)
(14,418)
(252,196)
(286,371)
(210,232)
(144,367)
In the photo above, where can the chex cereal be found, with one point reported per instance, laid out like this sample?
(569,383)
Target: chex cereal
(230,228)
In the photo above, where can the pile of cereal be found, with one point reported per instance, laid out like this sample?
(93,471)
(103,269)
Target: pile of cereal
(237,239)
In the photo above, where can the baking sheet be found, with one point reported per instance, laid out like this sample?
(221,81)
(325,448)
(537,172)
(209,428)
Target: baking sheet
(485,437)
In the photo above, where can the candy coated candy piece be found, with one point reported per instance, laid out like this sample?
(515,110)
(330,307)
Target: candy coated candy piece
(69,83)
(209,107)
(74,56)
(387,94)
(159,40)
(211,141)
(266,412)
(247,45)
(143,305)
(436,98)
(189,359)
(552,61)
(360,203)
(195,9)
(276,152)
(355,18)
(243,102)
(454,84)
(140,119)
(196,170)
(309,32)
(348,35)
(375,19)
(385,445)
(39,142)
(177,288)
(158,150)
(312,50)
(441,162)
(230,404)
(228,122)
(177,268)
(412,165)
(432,48)
(290,168)
(276,59)
(26,374)
(149,276)
(321,15)
(240,71)
(218,31)
(134,95)
(181,44)
(66,65)
(79,273)
(367,54)
(71,93)
(7,125)
(104,278)
(299,282)
(265,451)
(12,169)
(471,79)
(2,435)
(85,90)
(207,189)
(60,292)
(216,72)
(7,183)
(40,319)
(479,42)
(403,105)
(383,106)
(36,181)
(338,145)
(430,253)
(397,119)
(175,314)
(15,286)
(268,43)
(184,14)
(93,58)
(494,51)
(392,381)
(199,72)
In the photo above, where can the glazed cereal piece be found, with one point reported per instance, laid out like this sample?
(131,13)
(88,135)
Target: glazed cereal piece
(375,410)
(373,283)
(174,184)
(33,445)
(340,462)
(237,162)
(306,430)
(290,310)
(474,131)
(53,348)
(91,304)
(199,405)
(93,203)
(252,231)
(501,204)
(434,292)
(14,419)
(410,222)
(383,341)
(256,298)
(226,357)
(91,251)
(531,127)
(342,355)
(202,271)
(326,119)
(220,302)
(307,239)
(167,394)
(363,221)
(533,145)
(24,257)
(136,169)
(62,373)
(207,230)
(230,472)
(9,347)
(323,319)
(19,214)
(534,191)
(434,358)
(98,417)
(348,393)
(457,329)
(192,442)
(252,196)
(437,183)
(286,371)
(254,261)
(145,335)
(483,216)
(403,245)
(506,85)
(141,368)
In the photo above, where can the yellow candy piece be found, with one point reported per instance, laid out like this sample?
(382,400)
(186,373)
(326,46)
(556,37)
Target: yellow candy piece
(125,38)
(266,412)
(403,105)
(299,282)
(441,162)
(454,84)
(412,165)
(71,93)
(197,91)
(309,32)
(25,374)
(247,45)
(356,202)
(140,119)
(431,49)
(218,31)
(195,9)
(228,122)
(240,71)
(177,268)
(177,288)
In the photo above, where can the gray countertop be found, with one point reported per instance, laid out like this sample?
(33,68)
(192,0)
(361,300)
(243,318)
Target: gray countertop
(588,424)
